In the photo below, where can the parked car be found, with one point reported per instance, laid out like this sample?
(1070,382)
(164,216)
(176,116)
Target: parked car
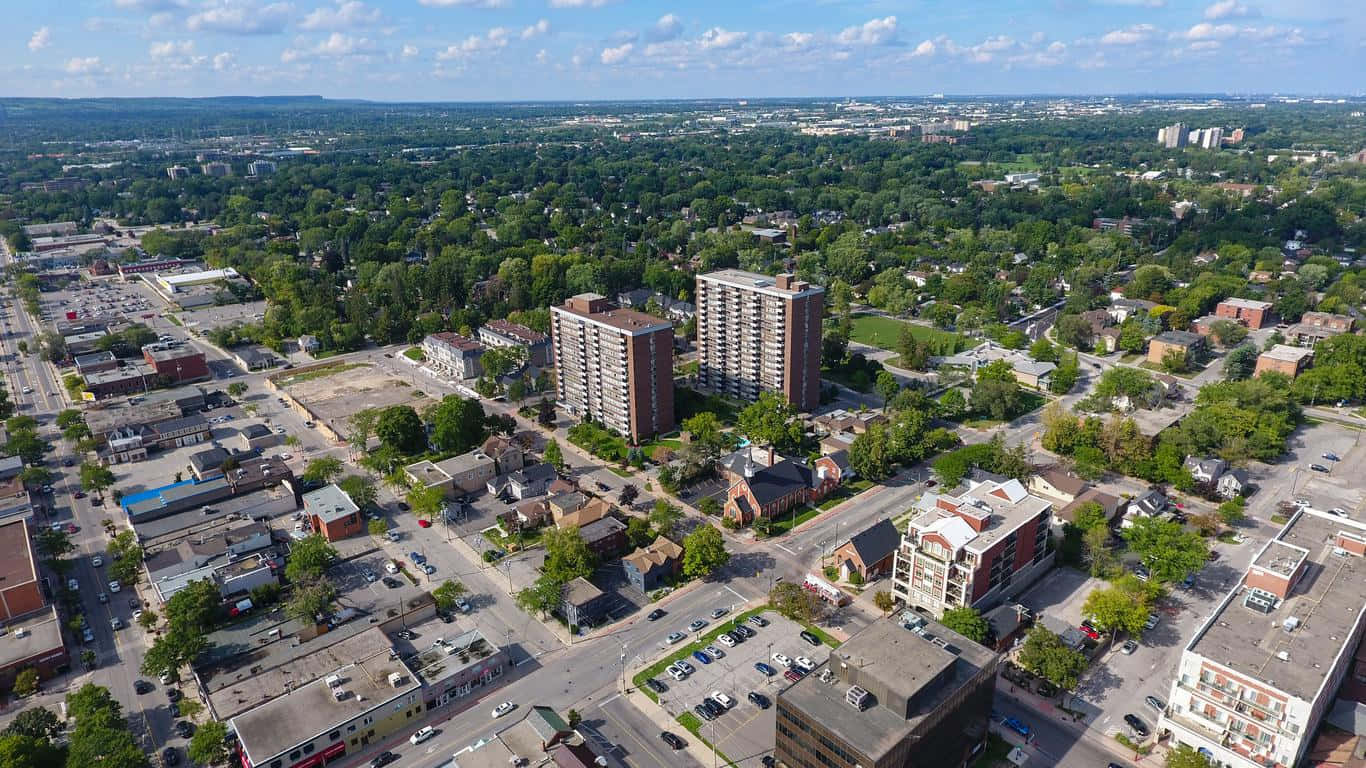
(722,699)
(503,709)
(391,582)
(1089,632)
(114,586)
(783,661)
(1318,467)
(673,741)
(758,699)
(170,756)
(804,664)
(1331,456)
(703,712)
(726,640)
(714,652)
(696,625)
(685,666)
(422,734)
(758,621)
(655,685)
(1155,703)
(675,672)
(744,630)
(719,612)
(142,686)
(655,614)
(1153,621)
(810,638)
(702,657)
(185,728)
(601,486)
(793,674)
(462,605)
(1016,726)
(674,637)
(1136,725)
(1129,647)
(764,669)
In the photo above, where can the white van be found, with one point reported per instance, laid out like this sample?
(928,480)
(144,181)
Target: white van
(390,567)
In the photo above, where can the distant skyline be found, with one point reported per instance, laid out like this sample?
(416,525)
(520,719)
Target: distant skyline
(511,50)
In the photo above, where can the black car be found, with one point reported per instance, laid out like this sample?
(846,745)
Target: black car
(185,728)
(174,709)
(1137,726)
(743,630)
(604,487)
(703,712)
(391,582)
(673,741)
(759,700)
(657,613)
(403,506)
(715,708)
(170,756)
(768,761)
(68,462)
(1318,467)
(383,758)
(655,685)
(173,694)
(446,618)
(810,638)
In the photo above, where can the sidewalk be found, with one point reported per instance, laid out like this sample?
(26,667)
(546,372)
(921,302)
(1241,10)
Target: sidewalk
(1047,707)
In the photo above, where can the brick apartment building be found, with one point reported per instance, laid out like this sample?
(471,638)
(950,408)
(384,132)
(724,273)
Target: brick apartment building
(973,548)
(1191,345)
(902,694)
(1254,314)
(34,633)
(1314,327)
(758,333)
(453,355)
(179,365)
(614,365)
(502,333)
(1257,678)
(1285,359)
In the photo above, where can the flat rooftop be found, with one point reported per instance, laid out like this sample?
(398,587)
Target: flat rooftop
(42,634)
(16,555)
(457,653)
(305,711)
(753,281)
(1247,303)
(262,504)
(1007,503)
(1288,353)
(628,320)
(910,665)
(1327,599)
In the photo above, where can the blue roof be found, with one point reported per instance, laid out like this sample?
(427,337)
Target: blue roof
(134,498)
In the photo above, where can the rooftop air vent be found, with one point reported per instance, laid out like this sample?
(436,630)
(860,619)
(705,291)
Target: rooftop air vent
(1260,600)
(857,698)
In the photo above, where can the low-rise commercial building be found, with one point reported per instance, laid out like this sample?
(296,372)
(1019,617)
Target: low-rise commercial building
(332,513)
(180,364)
(1258,676)
(891,696)
(34,632)
(870,553)
(250,476)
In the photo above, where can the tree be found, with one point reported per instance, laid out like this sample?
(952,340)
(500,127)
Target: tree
(1174,361)
(1166,548)
(195,607)
(36,722)
(887,386)
(966,621)
(69,417)
(362,425)
(458,424)
(310,601)
(1043,351)
(209,745)
(88,658)
(664,517)
(26,682)
(1185,756)
(446,594)
(567,555)
(34,477)
(795,603)
(52,544)
(868,454)
(126,556)
(400,428)
(147,620)
(308,559)
(709,506)
(377,528)
(360,489)
(639,533)
(427,501)
(172,650)
(95,478)
(237,388)
(573,718)
(93,705)
(1116,609)
(704,552)
(1074,332)
(322,470)
(628,494)
(884,601)
(1231,512)
(1091,515)
(996,393)
(1227,332)
(554,456)
(23,751)
(707,437)
(771,421)
(952,404)
(543,596)
(1065,376)
(1240,362)
(1045,655)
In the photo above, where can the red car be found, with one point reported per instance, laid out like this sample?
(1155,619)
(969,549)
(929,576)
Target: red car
(424,523)
(1089,632)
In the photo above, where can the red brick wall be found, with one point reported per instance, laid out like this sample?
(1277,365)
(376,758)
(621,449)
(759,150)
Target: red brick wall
(802,352)
(339,529)
(1276,585)
(645,394)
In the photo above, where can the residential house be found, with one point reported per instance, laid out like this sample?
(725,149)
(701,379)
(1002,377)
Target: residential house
(652,566)
(453,355)
(529,514)
(506,453)
(1109,338)
(1148,504)
(1109,504)
(1005,624)
(1123,309)
(1098,319)
(590,512)
(1205,470)
(1234,482)
(785,485)
(254,357)
(15,502)
(1190,345)
(605,536)
(871,553)
(309,344)
(523,483)
(1058,484)
(583,605)
(1032,373)
(562,504)
(457,475)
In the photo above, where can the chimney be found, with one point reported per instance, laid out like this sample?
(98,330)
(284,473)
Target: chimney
(785,281)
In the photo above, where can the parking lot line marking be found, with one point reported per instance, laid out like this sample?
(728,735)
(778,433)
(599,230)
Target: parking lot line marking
(737,594)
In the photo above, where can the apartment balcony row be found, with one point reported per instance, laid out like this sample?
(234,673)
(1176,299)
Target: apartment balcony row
(1225,744)
(1227,697)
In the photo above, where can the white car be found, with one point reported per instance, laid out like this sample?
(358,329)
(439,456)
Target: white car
(97,561)
(722,699)
(782,660)
(503,709)
(286,456)
(714,652)
(114,586)
(676,673)
(674,637)
(806,664)
(1152,621)
(727,641)
(685,666)
(423,733)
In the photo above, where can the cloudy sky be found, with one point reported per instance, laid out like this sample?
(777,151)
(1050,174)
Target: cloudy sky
(609,49)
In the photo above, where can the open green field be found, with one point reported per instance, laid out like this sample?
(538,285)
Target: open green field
(883,333)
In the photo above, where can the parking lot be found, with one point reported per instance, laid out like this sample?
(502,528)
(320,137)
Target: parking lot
(744,733)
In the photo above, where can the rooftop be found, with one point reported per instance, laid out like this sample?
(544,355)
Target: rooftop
(42,632)
(628,320)
(1247,303)
(911,674)
(1006,505)
(515,331)
(1286,353)
(16,555)
(441,661)
(164,354)
(456,341)
(330,503)
(580,591)
(753,281)
(306,710)
(1179,338)
(1327,600)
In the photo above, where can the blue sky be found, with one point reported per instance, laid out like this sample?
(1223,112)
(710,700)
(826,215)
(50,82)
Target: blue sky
(434,50)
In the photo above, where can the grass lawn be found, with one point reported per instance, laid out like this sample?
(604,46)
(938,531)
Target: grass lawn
(415,354)
(1030,401)
(689,720)
(883,333)
(688,369)
(995,753)
(174,320)
(619,472)
(501,540)
(690,402)
(1157,368)
(1130,357)
(844,493)
(785,522)
(318,373)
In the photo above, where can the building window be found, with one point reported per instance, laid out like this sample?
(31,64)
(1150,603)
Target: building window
(308,749)
(334,735)
(351,728)
(294,755)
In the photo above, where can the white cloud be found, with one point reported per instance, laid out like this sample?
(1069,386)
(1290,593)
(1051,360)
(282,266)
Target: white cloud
(82,66)
(872,32)
(335,46)
(1206,31)
(536,30)
(343,15)
(618,54)
(170,48)
(798,40)
(926,48)
(718,38)
(542,56)
(494,40)
(578,3)
(40,40)
(1227,9)
(222,61)
(241,17)
(148,6)
(668,27)
(464,3)
(1138,33)
(409,51)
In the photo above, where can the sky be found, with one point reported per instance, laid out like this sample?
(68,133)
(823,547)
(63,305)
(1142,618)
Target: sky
(510,50)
